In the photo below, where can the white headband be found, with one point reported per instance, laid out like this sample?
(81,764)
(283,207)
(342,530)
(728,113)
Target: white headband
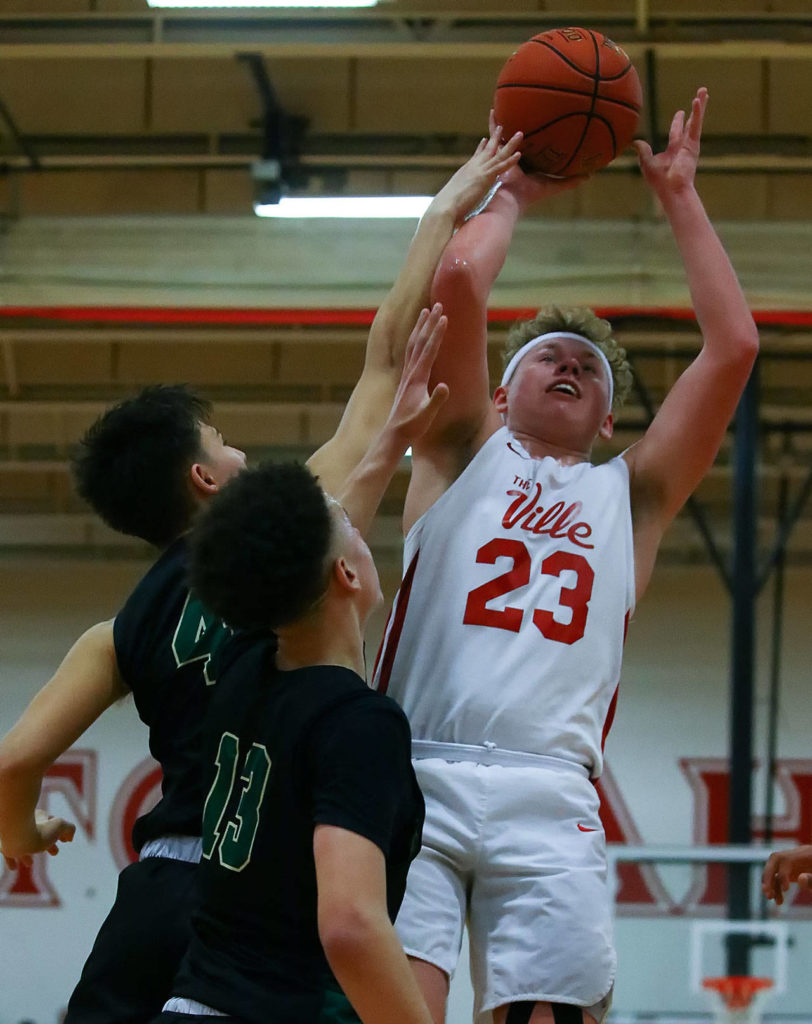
(510,369)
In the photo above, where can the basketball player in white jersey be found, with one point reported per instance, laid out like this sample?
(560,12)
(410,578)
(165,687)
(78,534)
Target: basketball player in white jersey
(523,562)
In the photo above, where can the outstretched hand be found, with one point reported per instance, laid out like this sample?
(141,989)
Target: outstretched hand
(415,407)
(531,188)
(467,186)
(785,867)
(673,170)
(413,410)
(48,833)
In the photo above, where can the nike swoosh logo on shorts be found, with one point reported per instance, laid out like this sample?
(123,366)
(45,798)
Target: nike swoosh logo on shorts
(583,828)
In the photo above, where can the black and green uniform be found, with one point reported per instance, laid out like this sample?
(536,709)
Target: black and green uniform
(289,751)
(163,642)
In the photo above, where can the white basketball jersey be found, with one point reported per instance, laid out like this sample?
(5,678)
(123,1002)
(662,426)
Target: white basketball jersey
(509,624)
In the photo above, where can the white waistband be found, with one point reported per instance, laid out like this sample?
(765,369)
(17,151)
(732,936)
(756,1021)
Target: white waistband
(188,848)
(489,754)
(180,1004)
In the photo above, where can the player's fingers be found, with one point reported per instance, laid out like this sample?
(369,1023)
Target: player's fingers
(783,878)
(504,163)
(418,327)
(494,142)
(510,149)
(66,832)
(694,126)
(433,316)
(437,397)
(643,150)
(414,337)
(499,167)
(425,344)
(507,163)
(805,880)
(770,868)
(434,333)
(676,131)
(491,121)
(768,877)
(490,148)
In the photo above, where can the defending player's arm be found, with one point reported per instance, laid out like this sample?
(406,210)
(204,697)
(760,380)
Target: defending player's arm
(684,438)
(85,685)
(785,867)
(372,397)
(412,412)
(355,931)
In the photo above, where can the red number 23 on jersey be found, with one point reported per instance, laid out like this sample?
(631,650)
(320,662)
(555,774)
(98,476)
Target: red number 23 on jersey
(477,612)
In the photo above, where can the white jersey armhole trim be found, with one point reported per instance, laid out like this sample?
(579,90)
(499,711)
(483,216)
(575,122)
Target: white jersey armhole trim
(620,463)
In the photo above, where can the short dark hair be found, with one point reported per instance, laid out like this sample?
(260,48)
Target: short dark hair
(132,464)
(258,551)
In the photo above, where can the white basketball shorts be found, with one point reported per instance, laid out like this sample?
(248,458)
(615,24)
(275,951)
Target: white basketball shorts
(521,852)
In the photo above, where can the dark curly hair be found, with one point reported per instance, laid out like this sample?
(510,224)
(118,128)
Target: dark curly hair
(258,550)
(131,465)
(580,320)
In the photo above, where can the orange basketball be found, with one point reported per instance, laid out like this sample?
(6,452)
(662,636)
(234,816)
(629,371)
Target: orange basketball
(576,96)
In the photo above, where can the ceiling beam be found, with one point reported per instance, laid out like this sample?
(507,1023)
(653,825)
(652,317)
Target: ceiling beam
(344,34)
(745,163)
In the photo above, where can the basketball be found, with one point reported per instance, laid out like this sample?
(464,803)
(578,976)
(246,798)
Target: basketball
(576,97)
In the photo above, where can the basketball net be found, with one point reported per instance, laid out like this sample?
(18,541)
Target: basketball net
(737,999)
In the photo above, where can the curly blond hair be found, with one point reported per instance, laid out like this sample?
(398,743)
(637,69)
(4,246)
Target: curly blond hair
(578,320)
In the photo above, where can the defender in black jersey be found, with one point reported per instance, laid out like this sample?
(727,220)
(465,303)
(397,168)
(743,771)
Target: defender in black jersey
(297,749)
(157,649)
(313,813)
(146,467)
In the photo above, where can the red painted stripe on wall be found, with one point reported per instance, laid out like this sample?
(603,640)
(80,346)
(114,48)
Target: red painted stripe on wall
(336,317)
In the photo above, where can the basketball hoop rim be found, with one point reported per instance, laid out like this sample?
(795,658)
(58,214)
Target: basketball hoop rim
(737,990)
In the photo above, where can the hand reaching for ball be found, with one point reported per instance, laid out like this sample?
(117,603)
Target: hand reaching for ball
(672,171)
(471,182)
(530,188)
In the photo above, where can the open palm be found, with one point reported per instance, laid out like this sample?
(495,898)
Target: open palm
(674,169)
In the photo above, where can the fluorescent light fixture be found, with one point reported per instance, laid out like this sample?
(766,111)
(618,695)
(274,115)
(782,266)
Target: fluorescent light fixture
(345,206)
(262,3)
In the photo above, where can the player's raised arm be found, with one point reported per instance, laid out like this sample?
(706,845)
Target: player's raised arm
(462,283)
(85,684)
(371,400)
(413,410)
(467,271)
(684,438)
